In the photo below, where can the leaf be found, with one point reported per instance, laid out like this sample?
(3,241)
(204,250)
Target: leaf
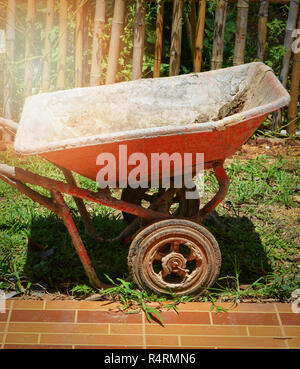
(111,281)
(220,308)
(154,311)
(132,312)
(172,306)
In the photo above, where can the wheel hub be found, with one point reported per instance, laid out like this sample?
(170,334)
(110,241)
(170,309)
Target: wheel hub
(173,263)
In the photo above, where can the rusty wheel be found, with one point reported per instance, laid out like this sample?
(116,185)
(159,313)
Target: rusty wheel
(178,206)
(174,255)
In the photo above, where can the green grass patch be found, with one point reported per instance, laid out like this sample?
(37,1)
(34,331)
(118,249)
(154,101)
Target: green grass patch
(256,228)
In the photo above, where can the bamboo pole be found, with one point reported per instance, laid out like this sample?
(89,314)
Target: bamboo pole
(97,52)
(175,51)
(158,38)
(10,52)
(218,45)
(193,18)
(290,26)
(114,46)
(139,38)
(78,44)
(199,36)
(86,43)
(262,29)
(189,31)
(294,90)
(29,47)
(62,45)
(241,32)
(48,46)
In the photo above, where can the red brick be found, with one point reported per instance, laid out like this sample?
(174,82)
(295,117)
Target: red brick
(292,331)
(81,305)
(42,316)
(162,341)
(232,342)
(4,316)
(46,327)
(107,317)
(91,339)
(168,347)
(245,318)
(34,347)
(21,338)
(265,331)
(194,329)
(107,347)
(230,307)
(283,307)
(290,318)
(28,304)
(294,342)
(183,318)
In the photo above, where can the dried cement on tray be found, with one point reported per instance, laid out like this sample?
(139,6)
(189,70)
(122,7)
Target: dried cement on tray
(50,118)
(145,103)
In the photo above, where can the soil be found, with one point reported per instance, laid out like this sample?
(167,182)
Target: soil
(269,146)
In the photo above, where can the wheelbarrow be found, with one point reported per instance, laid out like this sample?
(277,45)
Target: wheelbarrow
(212,113)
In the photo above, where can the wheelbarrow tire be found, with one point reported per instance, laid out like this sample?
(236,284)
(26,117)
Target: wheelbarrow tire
(187,208)
(174,255)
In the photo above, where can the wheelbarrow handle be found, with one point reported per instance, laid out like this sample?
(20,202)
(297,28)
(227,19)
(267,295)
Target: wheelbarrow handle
(10,125)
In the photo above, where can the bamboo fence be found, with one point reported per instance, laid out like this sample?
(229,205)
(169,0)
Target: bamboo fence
(29,47)
(175,50)
(102,67)
(241,32)
(62,45)
(294,90)
(219,32)
(290,26)
(48,45)
(199,36)
(86,15)
(158,39)
(97,50)
(78,44)
(114,46)
(138,41)
(10,42)
(262,29)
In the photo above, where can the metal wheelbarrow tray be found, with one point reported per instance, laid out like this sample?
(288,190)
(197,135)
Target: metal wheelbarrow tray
(212,113)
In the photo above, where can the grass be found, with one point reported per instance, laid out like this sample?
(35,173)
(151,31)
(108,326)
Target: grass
(256,228)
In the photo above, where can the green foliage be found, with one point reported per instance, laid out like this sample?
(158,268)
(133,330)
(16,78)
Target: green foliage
(82,289)
(254,230)
(128,294)
(274,53)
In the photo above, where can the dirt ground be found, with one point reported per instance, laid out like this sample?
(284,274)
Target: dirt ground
(270,146)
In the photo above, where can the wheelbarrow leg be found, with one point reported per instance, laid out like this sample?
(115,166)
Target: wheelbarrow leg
(89,226)
(77,241)
(223,181)
(57,204)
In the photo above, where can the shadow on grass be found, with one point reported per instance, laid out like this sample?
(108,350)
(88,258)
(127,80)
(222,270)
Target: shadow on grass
(243,253)
(58,265)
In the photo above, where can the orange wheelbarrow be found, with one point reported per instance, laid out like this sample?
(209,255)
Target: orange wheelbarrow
(101,132)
